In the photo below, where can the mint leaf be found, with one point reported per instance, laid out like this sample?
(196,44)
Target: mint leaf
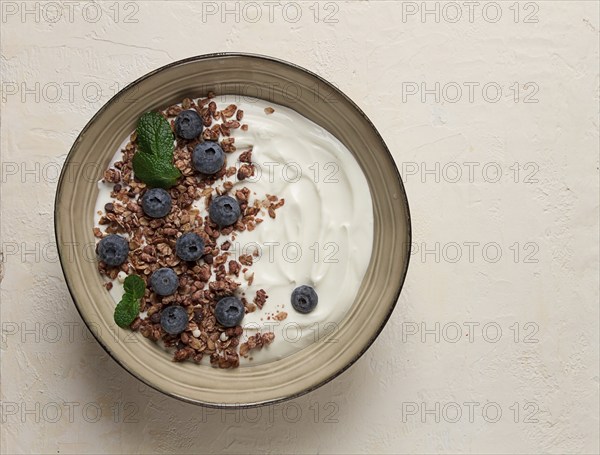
(129,306)
(153,161)
(134,286)
(154,172)
(126,310)
(154,135)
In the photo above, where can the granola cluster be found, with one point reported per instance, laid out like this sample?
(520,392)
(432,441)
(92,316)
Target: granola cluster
(152,241)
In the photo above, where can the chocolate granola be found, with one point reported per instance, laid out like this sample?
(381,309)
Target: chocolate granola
(152,241)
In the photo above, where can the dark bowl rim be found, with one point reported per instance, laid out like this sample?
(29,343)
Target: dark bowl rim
(403,196)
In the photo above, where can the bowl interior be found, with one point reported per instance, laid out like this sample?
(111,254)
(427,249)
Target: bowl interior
(281,83)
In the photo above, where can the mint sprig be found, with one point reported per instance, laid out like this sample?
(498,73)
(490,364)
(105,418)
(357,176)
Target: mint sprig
(129,306)
(134,286)
(153,161)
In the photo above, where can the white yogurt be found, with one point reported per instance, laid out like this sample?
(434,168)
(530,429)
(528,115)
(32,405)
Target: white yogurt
(321,237)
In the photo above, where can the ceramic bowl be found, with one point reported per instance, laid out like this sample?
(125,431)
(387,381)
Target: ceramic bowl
(278,82)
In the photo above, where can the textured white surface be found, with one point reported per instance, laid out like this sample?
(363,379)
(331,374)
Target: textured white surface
(62,393)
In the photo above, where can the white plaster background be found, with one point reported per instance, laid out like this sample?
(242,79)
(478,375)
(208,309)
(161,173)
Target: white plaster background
(369,53)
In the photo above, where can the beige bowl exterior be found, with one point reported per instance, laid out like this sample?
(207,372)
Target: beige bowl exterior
(282,83)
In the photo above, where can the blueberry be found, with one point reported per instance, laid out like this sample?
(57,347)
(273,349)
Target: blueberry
(113,250)
(189,247)
(224,210)
(156,203)
(229,311)
(188,124)
(304,299)
(164,281)
(174,319)
(208,157)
